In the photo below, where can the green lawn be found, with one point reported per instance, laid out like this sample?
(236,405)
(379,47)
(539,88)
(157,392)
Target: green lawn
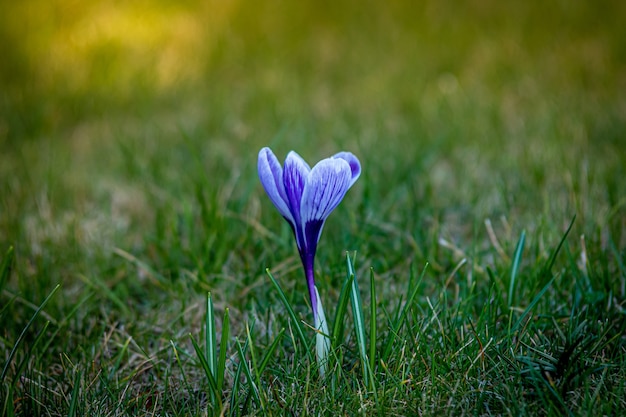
(489,218)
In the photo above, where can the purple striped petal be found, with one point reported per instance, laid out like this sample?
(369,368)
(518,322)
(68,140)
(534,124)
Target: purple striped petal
(295,176)
(353,161)
(326,186)
(271,176)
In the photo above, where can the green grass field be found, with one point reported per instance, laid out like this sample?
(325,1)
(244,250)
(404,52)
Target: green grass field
(489,219)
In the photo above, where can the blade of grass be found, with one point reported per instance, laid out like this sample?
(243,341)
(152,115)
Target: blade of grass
(372,322)
(246,369)
(359,325)
(342,305)
(75,391)
(291,313)
(253,356)
(210,342)
(8,409)
(517,259)
(24,331)
(234,398)
(32,349)
(213,394)
(180,365)
(221,363)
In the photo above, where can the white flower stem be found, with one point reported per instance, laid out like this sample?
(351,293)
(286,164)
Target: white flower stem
(322,341)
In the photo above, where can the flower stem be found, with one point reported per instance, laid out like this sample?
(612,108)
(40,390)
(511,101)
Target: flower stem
(322,344)
(309,272)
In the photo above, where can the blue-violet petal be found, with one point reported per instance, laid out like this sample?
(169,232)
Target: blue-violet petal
(271,176)
(353,161)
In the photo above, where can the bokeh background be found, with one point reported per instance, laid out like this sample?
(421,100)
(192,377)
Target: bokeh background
(129,134)
(136,125)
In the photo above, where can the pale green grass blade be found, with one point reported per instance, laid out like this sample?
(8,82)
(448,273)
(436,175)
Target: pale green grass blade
(255,368)
(359,324)
(213,393)
(8,409)
(180,365)
(373,315)
(74,396)
(19,340)
(234,398)
(243,363)
(221,363)
(296,323)
(342,305)
(517,259)
(210,342)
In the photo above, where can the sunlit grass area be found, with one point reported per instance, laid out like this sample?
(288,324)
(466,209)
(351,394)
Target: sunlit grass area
(489,218)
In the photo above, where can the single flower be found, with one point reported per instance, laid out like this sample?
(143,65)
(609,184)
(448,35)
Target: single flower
(305,197)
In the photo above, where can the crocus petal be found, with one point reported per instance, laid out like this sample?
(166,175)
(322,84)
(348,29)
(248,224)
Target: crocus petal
(353,161)
(271,176)
(326,186)
(295,176)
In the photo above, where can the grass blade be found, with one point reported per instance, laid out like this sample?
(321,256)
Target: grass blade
(517,259)
(210,343)
(213,394)
(246,369)
(359,325)
(253,356)
(75,391)
(372,321)
(24,331)
(221,363)
(32,349)
(342,305)
(234,398)
(291,313)
(180,365)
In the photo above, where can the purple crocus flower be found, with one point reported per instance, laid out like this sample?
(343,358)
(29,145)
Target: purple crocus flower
(305,197)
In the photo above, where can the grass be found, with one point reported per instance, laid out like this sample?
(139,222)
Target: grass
(488,224)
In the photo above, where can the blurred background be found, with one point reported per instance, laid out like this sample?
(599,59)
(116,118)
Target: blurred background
(122,123)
